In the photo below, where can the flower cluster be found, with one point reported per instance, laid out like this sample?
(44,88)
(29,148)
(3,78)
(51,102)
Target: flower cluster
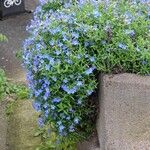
(69,43)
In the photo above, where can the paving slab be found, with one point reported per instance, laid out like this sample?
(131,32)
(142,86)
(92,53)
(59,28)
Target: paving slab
(3,126)
(15,29)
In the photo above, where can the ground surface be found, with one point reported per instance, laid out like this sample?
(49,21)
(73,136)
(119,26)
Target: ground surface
(3,127)
(14,29)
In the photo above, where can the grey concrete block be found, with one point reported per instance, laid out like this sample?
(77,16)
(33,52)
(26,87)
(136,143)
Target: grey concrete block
(124,119)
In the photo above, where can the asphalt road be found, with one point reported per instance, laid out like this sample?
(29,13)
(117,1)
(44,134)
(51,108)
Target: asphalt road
(14,28)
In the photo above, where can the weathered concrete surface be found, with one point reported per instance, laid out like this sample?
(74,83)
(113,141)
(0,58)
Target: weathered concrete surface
(3,126)
(91,144)
(124,121)
(21,128)
(15,29)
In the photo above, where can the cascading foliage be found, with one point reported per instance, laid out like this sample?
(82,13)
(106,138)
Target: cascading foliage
(69,43)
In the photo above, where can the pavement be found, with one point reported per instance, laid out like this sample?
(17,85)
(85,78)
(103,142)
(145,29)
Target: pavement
(15,29)
(3,126)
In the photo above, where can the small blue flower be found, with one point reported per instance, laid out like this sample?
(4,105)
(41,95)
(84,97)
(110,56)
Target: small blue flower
(75,42)
(75,35)
(79,83)
(144,62)
(59,123)
(103,42)
(47,67)
(65,80)
(40,122)
(71,128)
(122,46)
(96,13)
(89,92)
(79,102)
(36,106)
(130,32)
(52,42)
(53,107)
(46,113)
(90,70)
(76,120)
(49,132)
(57,52)
(68,118)
(54,79)
(61,128)
(46,105)
(72,91)
(56,100)
(92,59)
(86,44)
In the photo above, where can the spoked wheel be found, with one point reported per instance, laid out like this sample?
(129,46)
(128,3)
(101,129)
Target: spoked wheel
(7,4)
(18,2)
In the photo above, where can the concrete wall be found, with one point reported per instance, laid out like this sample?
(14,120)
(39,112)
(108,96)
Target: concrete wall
(124,119)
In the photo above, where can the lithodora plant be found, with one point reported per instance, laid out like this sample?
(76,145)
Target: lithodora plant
(71,42)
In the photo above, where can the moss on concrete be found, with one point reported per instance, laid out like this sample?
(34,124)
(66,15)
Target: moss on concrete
(21,128)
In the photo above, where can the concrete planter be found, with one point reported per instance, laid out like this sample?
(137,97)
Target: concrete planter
(124,119)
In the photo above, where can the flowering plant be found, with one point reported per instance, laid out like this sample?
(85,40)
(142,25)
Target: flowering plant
(69,43)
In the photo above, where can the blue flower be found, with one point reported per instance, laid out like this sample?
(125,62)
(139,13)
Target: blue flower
(122,46)
(53,107)
(72,91)
(69,91)
(54,79)
(36,106)
(144,62)
(71,128)
(79,83)
(37,92)
(46,113)
(75,42)
(61,128)
(89,92)
(65,80)
(59,123)
(92,59)
(75,35)
(47,67)
(45,106)
(86,44)
(130,32)
(79,102)
(76,120)
(40,122)
(47,94)
(52,42)
(90,70)
(57,52)
(49,132)
(68,118)
(56,100)
(96,13)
